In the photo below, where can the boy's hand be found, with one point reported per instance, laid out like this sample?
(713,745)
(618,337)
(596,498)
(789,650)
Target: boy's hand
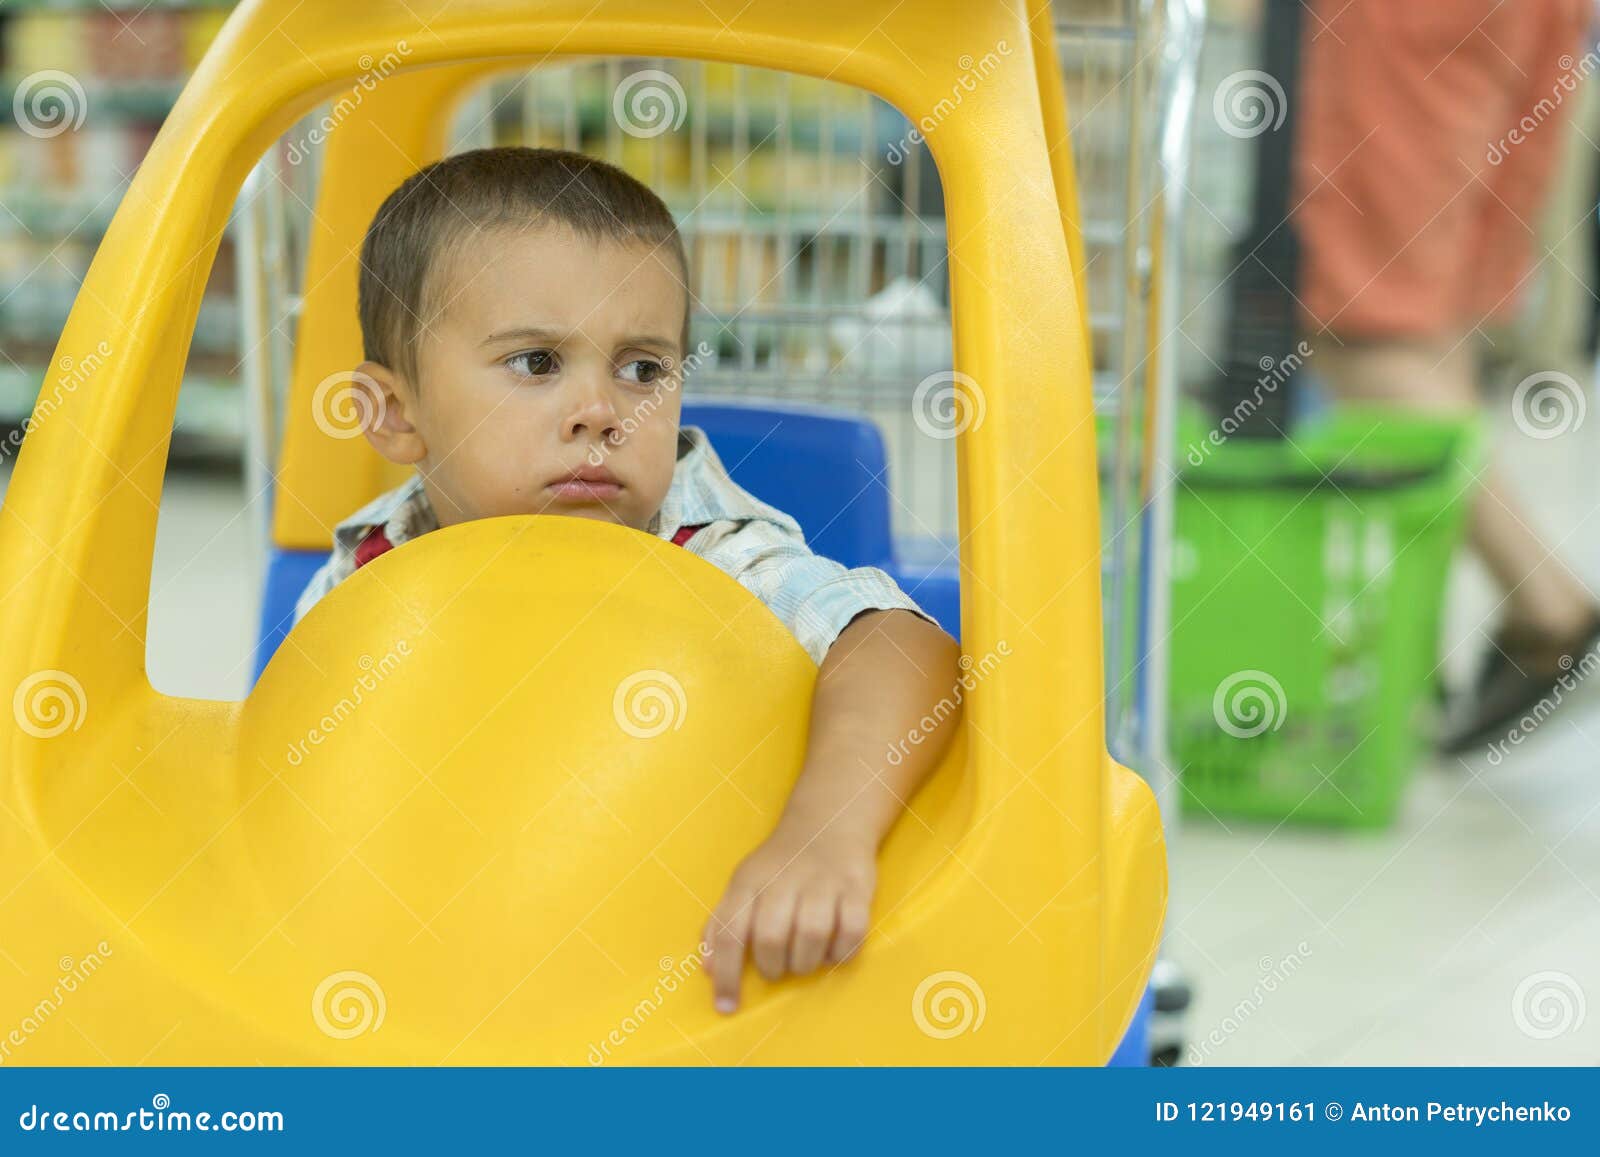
(803,897)
(799,900)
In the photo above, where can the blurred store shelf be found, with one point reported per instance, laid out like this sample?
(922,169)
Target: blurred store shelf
(210,410)
(91,82)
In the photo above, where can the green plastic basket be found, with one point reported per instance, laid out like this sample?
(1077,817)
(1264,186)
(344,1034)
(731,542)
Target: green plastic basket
(1308,578)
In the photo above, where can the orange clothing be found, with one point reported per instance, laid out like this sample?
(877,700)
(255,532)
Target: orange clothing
(1427,135)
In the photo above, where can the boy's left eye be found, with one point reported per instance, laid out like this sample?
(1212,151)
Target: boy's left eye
(642,370)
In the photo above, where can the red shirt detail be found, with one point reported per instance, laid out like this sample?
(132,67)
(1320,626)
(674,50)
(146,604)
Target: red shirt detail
(372,546)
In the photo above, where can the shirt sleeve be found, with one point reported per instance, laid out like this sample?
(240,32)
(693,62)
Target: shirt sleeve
(813,596)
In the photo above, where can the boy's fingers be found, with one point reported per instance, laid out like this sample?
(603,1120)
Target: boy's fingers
(854,914)
(814,921)
(770,933)
(726,935)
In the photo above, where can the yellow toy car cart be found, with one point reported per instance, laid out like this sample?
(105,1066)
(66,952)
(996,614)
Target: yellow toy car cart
(481,866)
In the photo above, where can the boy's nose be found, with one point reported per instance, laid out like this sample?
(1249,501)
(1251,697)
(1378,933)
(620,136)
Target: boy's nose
(592,414)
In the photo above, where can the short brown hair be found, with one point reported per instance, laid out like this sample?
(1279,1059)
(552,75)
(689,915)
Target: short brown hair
(480,190)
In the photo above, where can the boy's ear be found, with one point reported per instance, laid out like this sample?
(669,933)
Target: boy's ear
(386,403)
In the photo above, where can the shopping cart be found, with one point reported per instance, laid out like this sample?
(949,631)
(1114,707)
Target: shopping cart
(814,219)
(820,287)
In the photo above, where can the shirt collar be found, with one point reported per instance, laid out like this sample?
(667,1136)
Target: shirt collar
(403,512)
(702,492)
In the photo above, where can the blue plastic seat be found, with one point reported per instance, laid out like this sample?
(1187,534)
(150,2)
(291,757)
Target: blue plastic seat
(825,469)
(288,573)
(828,470)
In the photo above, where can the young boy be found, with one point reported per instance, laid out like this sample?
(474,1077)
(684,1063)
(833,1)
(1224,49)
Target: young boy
(524,314)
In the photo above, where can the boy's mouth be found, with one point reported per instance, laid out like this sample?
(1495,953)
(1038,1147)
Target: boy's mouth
(585,484)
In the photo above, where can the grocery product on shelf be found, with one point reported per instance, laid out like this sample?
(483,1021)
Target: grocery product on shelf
(90,83)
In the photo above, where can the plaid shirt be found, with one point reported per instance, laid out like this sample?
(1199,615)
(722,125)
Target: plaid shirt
(757,544)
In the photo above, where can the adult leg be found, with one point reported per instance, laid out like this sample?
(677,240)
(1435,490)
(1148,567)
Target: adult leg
(1415,223)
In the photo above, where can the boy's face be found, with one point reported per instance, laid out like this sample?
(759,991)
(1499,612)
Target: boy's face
(548,383)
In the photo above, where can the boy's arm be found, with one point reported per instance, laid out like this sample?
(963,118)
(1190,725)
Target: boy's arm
(803,897)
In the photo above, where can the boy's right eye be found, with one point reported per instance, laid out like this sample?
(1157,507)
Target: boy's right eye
(533,363)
